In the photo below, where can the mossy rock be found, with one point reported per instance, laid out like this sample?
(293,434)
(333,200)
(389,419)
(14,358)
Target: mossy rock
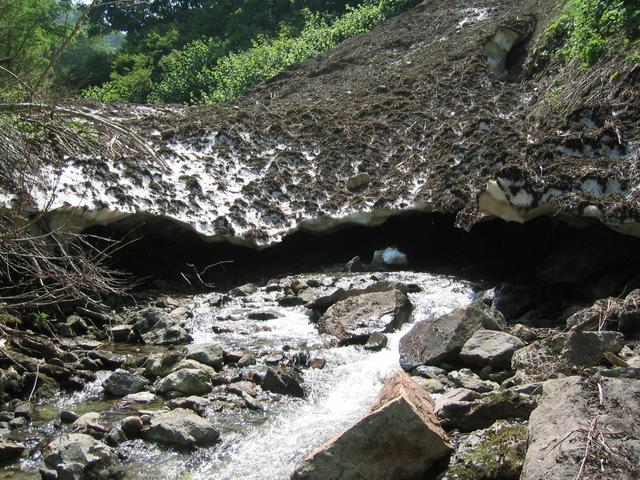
(10,321)
(496,453)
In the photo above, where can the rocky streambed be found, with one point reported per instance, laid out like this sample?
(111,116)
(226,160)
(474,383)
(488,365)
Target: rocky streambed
(301,377)
(235,385)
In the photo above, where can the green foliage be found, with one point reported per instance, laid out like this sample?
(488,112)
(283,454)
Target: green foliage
(41,320)
(234,57)
(86,63)
(28,34)
(202,72)
(587,29)
(499,455)
(186,74)
(131,80)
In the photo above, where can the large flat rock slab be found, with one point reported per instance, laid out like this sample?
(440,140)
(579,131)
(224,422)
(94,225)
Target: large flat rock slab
(585,429)
(353,320)
(399,438)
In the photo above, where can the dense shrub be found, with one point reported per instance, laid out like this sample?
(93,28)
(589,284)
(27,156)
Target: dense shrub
(206,71)
(587,29)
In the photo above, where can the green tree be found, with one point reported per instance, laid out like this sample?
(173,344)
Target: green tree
(28,34)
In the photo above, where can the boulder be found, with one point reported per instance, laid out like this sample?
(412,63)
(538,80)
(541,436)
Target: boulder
(376,342)
(465,378)
(162,364)
(618,314)
(149,319)
(476,412)
(193,365)
(10,452)
(140,397)
(570,410)
(156,327)
(207,354)
(186,381)
(86,419)
(263,315)
(174,335)
(121,383)
(194,403)
(487,347)
(282,380)
(77,448)
(399,438)
(244,290)
(321,304)
(434,342)
(290,301)
(493,453)
(242,387)
(132,426)
(353,320)
(560,353)
(182,428)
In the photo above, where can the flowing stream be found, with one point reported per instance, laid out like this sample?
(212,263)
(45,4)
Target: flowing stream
(268,445)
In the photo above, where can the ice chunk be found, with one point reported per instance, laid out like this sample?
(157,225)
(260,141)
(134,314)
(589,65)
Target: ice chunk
(390,256)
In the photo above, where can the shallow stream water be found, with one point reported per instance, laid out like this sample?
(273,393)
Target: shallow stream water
(268,445)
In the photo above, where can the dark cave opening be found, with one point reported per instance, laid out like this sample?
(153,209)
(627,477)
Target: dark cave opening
(165,252)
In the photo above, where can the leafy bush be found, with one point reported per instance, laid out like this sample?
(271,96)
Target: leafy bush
(208,71)
(131,81)
(267,58)
(186,74)
(590,28)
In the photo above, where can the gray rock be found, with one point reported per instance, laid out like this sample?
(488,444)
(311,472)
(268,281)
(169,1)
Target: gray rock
(283,381)
(559,353)
(121,383)
(263,315)
(152,318)
(434,342)
(158,328)
(358,181)
(354,319)
(465,378)
(162,364)
(246,360)
(186,381)
(587,348)
(86,419)
(569,409)
(290,301)
(10,452)
(429,385)
(251,403)
(273,360)
(429,371)
(376,342)
(482,412)
(239,387)
(67,416)
(174,335)
(140,397)
(207,354)
(493,453)
(399,437)
(182,428)
(196,404)
(120,333)
(244,290)
(76,448)
(487,347)
(132,426)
